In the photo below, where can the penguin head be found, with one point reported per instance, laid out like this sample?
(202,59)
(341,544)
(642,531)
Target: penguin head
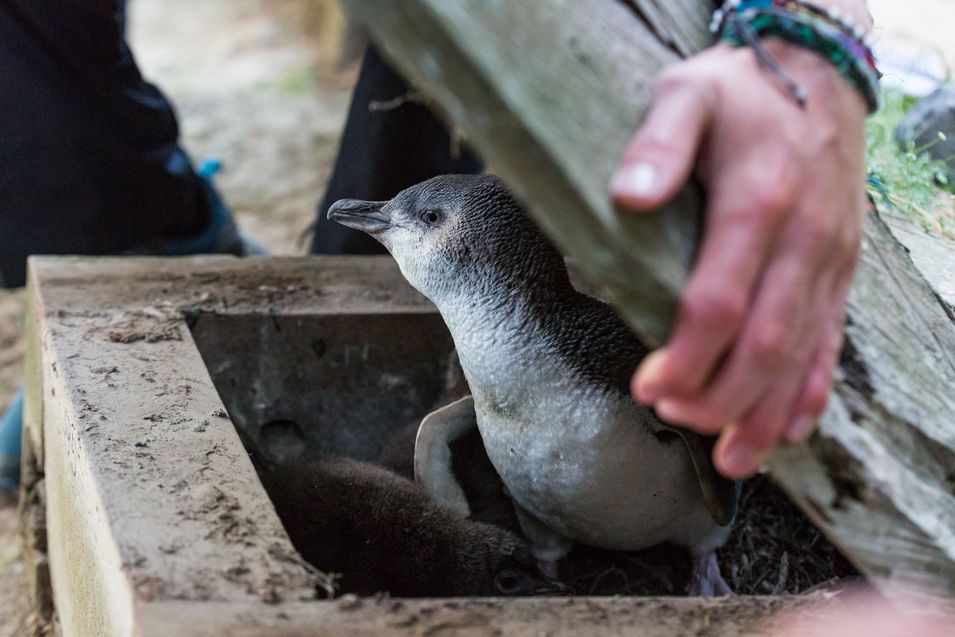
(455,234)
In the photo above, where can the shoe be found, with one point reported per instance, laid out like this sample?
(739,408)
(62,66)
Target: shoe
(11,432)
(222,236)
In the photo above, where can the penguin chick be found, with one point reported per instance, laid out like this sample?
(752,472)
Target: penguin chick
(382,533)
(397,454)
(549,369)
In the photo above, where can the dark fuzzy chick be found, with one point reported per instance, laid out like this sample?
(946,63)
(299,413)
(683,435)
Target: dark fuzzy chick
(381,532)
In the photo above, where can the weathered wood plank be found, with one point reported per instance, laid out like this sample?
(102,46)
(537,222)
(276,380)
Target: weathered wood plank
(679,24)
(479,617)
(549,91)
(157,522)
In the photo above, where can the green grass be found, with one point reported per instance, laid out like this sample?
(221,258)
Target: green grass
(907,179)
(296,83)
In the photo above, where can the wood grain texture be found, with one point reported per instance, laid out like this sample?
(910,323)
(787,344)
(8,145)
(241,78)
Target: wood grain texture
(156,527)
(549,92)
(679,24)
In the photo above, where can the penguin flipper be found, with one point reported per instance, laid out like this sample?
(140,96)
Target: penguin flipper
(721,495)
(432,453)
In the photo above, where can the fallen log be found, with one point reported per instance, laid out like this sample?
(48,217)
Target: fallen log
(549,91)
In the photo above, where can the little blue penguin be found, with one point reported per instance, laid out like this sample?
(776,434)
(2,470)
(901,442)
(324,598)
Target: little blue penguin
(548,369)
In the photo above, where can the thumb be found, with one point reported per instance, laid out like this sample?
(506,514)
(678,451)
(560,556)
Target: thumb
(663,152)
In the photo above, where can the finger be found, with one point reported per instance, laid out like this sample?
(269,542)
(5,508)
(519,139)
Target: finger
(662,154)
(766,424)
(762,428)
(814,395)
(769,350)
(731,452)
(772,345)
(742,227)
(742,453)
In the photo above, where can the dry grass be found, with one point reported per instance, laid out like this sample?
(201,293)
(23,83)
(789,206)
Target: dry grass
(774,550)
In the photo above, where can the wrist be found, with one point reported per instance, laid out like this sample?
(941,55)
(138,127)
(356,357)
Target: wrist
(823,27)
(818,76)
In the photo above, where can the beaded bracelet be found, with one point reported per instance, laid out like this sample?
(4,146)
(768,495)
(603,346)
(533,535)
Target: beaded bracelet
(823,30)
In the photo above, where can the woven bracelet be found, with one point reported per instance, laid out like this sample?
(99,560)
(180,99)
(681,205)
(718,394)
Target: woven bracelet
(825,31)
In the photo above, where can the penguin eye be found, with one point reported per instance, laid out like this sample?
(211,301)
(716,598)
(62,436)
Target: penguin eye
(429,216)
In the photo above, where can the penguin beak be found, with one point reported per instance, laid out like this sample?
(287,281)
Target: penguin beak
(360,215)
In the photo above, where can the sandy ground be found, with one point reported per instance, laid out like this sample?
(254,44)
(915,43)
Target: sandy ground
(247,93)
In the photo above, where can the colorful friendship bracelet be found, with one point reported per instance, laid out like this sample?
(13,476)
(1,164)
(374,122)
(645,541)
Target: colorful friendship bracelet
(832,14)
(859,42)
(823,30)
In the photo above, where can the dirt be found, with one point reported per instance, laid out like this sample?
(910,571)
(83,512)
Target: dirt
(14,602)
(151,329)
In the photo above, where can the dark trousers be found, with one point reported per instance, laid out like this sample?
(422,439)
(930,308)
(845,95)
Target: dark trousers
(382,152)
(89,154)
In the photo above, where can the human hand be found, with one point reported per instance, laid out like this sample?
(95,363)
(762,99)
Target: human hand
(761,319)
(859,614)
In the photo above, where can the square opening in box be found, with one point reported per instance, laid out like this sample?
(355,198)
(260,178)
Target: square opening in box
(328,407)
(331,384)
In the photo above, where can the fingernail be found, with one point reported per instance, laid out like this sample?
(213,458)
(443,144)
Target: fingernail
(650,376)
(801,429)
(640,180)
(671,411)
(740,458)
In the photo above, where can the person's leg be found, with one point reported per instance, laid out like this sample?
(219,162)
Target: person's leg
(91,160)
(383,151)
(92,163)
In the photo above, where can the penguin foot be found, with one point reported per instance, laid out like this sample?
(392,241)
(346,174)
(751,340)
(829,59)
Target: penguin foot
(706,580)
(547,546)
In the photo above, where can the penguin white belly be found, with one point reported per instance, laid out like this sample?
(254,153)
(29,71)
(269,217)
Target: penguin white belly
(584,463)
